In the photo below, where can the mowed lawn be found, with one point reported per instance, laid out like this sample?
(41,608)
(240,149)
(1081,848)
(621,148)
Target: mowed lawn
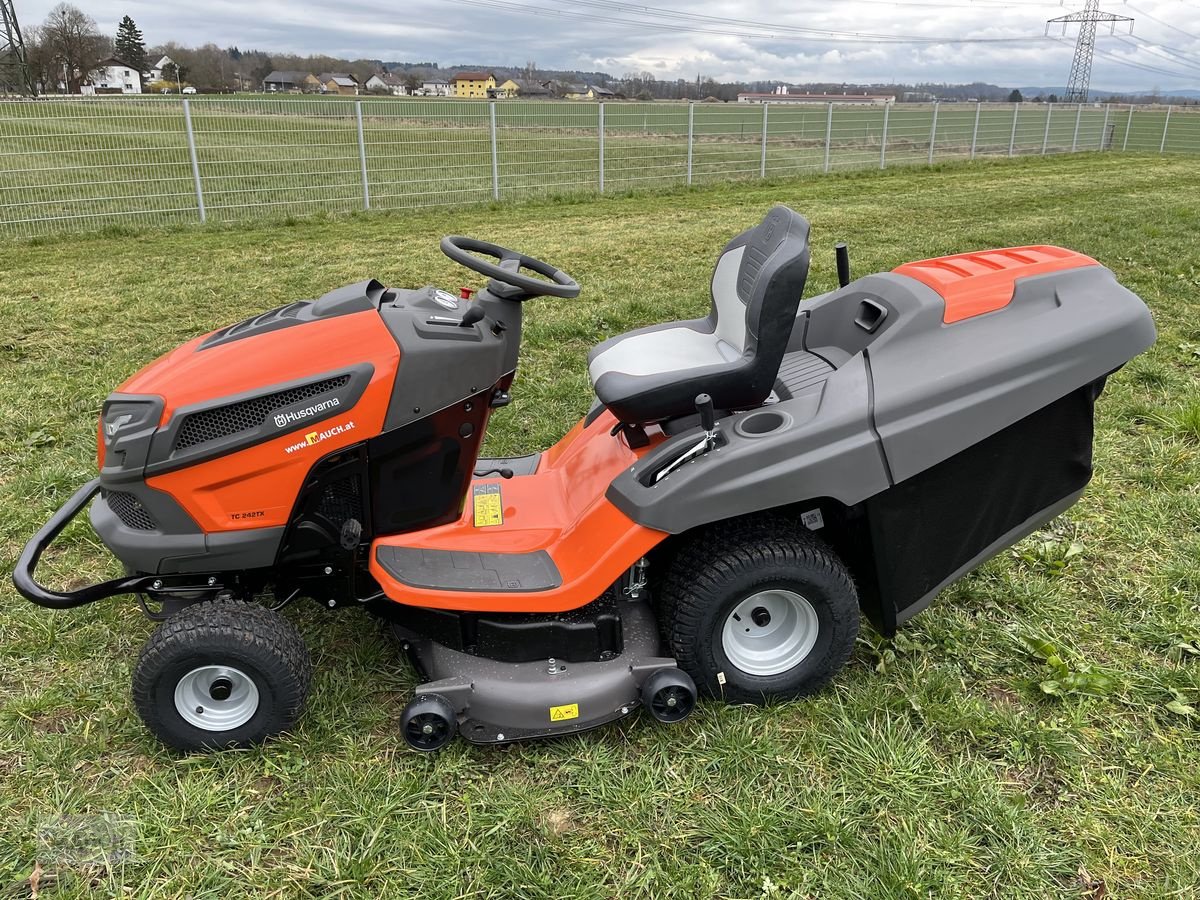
(1035,733)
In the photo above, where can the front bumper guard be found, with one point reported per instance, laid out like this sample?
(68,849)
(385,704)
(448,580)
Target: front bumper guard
(26,583)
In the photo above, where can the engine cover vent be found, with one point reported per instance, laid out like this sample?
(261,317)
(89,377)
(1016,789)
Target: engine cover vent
(130,511)
(246,415)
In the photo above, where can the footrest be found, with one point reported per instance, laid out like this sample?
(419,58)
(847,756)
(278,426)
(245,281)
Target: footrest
(463,570)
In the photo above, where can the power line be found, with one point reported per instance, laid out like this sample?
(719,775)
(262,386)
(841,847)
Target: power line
(1161,22)
(1130,64)
(778,32)
(1138,44)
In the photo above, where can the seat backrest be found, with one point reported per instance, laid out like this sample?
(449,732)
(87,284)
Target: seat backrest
(756,289)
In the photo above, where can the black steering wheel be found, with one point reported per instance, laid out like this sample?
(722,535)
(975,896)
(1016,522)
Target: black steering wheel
(507,268)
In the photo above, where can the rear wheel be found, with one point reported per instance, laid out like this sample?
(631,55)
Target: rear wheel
(221,674)
(759,611)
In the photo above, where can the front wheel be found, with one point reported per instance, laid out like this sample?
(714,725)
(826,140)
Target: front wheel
(221,674)
(760,612)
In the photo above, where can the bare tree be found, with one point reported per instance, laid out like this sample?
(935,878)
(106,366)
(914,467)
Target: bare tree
(74,45)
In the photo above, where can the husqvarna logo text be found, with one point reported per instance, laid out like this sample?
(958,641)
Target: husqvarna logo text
(282,420)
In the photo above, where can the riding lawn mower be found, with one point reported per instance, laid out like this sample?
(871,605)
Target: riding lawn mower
(745,486)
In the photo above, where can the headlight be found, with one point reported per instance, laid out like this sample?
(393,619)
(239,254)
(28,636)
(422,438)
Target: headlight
(126,426)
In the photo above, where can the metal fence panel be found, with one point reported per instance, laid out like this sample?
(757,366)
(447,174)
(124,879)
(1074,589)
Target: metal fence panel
(78,163)
(90,163)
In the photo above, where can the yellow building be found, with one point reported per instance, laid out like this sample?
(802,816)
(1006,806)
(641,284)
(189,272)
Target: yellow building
(507,90)
(474,84)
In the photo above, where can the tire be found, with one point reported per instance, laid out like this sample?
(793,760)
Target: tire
(221,674)
(765,571)
(428,723)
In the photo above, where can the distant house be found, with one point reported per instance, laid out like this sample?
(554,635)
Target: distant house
(785,96)
(341,83)
(290,82)
(587,92)
(520,87)
(113,76)
(474,84)
(435,87)
(387,82)
(156,71)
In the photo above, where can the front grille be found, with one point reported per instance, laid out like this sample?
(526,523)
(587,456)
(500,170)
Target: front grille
(129,510)
(211,424)
(341,500)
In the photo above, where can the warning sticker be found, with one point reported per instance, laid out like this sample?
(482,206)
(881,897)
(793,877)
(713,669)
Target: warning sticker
(563,713)
(489,505)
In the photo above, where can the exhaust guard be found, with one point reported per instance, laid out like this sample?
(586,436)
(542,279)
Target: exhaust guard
(26,583)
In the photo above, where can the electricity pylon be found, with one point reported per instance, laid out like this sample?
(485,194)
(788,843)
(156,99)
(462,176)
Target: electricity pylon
(14,68)
(1085,45)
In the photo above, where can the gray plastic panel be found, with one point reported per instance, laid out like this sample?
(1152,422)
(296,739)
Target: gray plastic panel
(520,465)
(825,448)
(941,388)
(458,570)
(499,701)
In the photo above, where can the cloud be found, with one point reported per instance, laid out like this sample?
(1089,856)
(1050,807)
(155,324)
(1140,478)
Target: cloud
(572,34)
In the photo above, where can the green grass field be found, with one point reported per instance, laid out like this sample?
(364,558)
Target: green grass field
(1035,733)
(85,164)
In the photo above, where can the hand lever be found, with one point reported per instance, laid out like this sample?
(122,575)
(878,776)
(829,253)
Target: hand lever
(708,418)
(504,472)
(473,314)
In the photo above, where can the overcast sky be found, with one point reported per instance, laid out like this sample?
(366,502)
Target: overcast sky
(451,33)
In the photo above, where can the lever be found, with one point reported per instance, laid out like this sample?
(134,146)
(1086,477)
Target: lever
(473,314)
(843,263)
(708,418)
(504,472)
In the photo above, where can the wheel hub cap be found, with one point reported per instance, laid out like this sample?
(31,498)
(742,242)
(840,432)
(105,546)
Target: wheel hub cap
(770,632)
(216,698)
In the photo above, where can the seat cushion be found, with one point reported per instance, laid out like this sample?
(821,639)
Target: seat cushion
(659,350)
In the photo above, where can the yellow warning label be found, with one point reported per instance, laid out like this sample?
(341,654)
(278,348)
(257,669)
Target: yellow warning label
(562,713)
(489,505)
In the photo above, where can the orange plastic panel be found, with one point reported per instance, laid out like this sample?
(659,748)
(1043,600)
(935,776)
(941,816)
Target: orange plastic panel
(976,283)
(560,509)
(257,487)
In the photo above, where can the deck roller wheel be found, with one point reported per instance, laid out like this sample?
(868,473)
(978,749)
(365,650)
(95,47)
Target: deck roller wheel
(428,723)
(669,695)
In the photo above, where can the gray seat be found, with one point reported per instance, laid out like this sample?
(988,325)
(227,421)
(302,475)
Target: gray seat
(653,374)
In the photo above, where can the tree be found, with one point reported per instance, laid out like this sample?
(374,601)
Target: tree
(74,45)
(129,46)
(1015,96)
(1053,98)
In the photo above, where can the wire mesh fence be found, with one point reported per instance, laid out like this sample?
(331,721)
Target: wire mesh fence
(80,163)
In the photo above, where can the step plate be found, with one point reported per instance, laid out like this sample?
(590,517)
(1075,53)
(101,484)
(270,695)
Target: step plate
(464,570)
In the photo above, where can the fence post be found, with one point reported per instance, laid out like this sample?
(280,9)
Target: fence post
(495,155)
(762,162)
(191,138)
(883,139)
(1046,136)
(691,135)
(1012,140)
(975,133)
(828,135)
(1104,130)
(1128,123)
(1075,139)
(362,155)
(1166,124)
(600,133)
(933,132)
